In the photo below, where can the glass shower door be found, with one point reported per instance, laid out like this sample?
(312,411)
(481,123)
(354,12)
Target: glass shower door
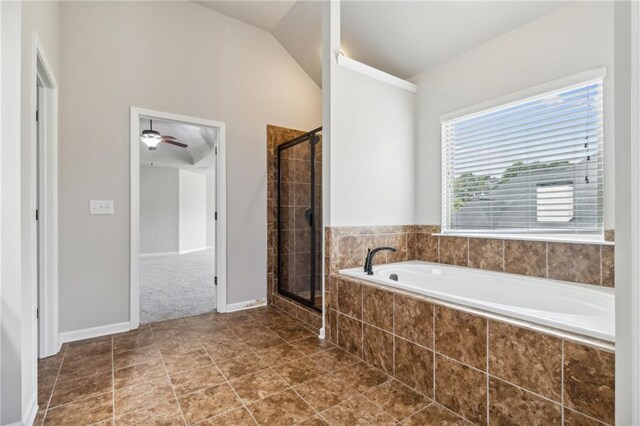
(299,214)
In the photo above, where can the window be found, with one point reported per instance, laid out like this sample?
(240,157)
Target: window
(530,166)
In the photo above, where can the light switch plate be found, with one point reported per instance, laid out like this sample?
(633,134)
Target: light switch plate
(101,207)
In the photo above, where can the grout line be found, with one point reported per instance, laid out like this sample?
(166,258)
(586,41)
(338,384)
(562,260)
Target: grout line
(487,369)
(55,383)
(168,376)
(562,378)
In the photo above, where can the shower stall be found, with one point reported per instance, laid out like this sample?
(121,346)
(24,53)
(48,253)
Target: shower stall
(299,218)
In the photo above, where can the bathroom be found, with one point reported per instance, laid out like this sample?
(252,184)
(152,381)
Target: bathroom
(494,298)
(421,212)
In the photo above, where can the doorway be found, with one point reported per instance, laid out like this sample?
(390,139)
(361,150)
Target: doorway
(178,216)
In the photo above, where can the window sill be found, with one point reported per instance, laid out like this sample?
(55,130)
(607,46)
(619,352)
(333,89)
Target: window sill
(577,239)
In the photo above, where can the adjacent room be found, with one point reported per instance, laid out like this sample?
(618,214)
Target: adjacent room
(320,212)
(177,220)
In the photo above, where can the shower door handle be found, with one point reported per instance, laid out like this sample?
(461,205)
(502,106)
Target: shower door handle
(308,214)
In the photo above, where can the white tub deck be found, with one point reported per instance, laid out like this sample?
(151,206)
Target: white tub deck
(576,308)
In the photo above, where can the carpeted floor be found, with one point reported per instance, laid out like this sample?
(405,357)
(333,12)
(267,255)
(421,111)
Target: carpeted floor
(176,286)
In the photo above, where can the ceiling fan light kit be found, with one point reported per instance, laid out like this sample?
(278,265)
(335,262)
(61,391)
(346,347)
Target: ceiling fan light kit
(152,138)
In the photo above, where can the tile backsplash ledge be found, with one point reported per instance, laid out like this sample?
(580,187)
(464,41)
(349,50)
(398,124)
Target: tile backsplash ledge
(589,263)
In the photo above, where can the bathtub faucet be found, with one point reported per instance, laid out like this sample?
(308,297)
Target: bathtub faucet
(368,262)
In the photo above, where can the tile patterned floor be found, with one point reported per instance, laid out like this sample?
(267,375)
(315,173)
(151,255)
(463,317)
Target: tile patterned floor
(245,368)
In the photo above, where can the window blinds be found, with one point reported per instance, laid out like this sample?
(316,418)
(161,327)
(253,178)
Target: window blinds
(533,166)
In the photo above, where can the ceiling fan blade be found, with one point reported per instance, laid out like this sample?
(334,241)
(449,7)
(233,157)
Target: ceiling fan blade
(169,137)
(176,143)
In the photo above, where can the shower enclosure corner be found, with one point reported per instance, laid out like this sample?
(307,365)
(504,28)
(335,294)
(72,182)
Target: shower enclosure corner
(299,219)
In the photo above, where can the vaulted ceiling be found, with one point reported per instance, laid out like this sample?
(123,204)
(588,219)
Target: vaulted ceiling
(403,38)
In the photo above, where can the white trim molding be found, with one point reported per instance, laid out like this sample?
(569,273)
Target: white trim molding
(519,96)
(248,304)
(91,332)
(375,73)
(45,199)
(221,206)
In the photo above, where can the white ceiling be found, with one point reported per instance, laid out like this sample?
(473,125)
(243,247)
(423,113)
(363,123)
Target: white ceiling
(198,156)
(261,14)
(403,38)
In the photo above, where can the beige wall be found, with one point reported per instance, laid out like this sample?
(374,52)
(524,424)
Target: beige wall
(577,37)
(135,53)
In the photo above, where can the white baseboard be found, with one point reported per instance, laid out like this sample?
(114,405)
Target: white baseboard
(192,250)
(166,253)
(29,416)
(248,304)
(88,333)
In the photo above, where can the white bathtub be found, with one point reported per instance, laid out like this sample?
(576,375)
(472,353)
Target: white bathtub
(577,308)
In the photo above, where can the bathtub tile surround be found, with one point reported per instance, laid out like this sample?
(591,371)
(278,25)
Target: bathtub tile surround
(526,358)
(345,247)
(481,368)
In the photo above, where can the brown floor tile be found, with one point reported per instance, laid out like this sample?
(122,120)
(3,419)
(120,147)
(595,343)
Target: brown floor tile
(397,399)
(263,340)
(281,409)
(195,379)
(39,417)
(280,354)
(142,395)
(86,411)
(208,403)
(172,324)
(314,421)
(75,390)
(299,371)
(136,356)
(253,387)
(292,333)
(87,352)
(237,417)
(358,411)
(225,348)
(461,389)
(509,404)
(90,367)
(166,413)
(127,342)
(436,415)
(325,391)
(139,374)
(242,365)
(335,359)
(362,376)
(187,361)
(312,345)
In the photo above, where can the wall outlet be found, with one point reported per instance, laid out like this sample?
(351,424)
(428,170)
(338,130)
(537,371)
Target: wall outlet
(101,207)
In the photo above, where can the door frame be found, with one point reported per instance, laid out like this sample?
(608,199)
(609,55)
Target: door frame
(43,194)
(221,206)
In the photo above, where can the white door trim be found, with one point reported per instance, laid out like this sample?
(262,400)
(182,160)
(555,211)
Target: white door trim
(221,206)
(635,219)
(47,225)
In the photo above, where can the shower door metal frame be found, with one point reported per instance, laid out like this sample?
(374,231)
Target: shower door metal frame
(313,139)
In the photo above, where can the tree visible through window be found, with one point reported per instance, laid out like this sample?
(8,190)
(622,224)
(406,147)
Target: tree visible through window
(530,166)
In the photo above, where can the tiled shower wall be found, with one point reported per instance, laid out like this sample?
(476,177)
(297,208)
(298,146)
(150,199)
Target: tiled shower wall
(482,369)
(296,260)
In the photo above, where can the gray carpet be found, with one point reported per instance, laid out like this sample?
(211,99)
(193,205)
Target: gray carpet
(176,286)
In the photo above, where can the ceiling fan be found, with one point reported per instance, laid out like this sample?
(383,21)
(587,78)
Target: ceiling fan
(151,138)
